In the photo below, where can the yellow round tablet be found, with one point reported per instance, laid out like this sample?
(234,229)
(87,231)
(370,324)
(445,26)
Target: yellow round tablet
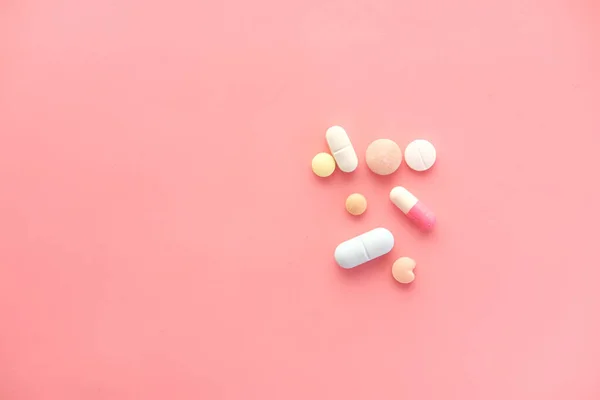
(356,204)
(323,164)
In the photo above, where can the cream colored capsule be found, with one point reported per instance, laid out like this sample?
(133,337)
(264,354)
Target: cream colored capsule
(341,148)
(415,210)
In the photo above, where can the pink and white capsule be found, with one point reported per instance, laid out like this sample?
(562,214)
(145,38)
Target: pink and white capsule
(414,209)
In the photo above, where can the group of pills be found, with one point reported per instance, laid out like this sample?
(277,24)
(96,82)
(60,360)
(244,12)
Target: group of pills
(383,157)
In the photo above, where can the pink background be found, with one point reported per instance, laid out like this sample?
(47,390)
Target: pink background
(162,235)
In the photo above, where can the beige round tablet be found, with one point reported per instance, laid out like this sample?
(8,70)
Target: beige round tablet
(383,156)
(356,204)
(403,270)
(323,164)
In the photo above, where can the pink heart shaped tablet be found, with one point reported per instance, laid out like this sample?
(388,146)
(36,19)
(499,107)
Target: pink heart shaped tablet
(402,270)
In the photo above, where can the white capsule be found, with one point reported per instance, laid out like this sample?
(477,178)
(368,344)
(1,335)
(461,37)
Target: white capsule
(363,248)
(341,149)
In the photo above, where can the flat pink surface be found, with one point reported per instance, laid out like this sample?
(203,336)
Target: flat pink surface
(162,235)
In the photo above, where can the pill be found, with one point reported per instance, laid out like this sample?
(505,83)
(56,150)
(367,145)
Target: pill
(356,204)
(403,270)
(323,165)
(363,248)
(414,209)
(420,155)
(341,148)
(383,156)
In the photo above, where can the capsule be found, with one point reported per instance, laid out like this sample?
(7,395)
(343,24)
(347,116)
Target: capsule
(414,209)
(341,148)
(363,248)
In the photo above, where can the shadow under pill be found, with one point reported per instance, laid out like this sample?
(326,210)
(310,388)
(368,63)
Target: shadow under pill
(405,287)
(384,179)
(364,271)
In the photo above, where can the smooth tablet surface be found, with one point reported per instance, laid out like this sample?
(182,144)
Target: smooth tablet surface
(341,148)
(356,204)
(323,165)
(363,248)
(383,156)
(403,270)
(420,155)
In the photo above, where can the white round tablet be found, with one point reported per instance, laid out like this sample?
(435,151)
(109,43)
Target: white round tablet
(420,155)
